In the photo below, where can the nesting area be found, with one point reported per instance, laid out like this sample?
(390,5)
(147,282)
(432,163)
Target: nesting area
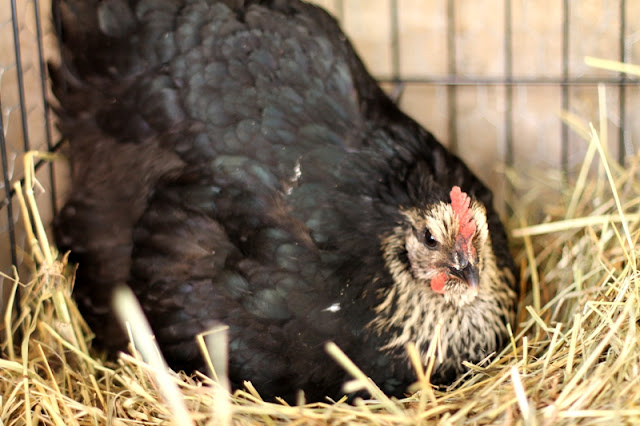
(573,226)
(574,356)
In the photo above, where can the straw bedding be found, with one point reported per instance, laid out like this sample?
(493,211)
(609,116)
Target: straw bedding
(574,356)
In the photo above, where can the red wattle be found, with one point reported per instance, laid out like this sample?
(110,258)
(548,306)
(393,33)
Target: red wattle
(437,283)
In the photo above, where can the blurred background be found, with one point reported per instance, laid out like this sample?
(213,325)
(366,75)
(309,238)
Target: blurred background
(488,77)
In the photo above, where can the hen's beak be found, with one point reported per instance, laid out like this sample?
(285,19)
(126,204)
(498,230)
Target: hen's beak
(469,274)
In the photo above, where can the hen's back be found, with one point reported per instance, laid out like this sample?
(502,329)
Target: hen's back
(214,146)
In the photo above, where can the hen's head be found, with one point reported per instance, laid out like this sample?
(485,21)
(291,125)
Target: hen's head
(445,245)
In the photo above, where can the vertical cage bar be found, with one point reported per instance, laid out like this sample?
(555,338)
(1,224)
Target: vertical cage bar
(340,10)
(508,73)
(395,42)
(19,70)
(622,130)
(452,71)
(565,86)
(398,88)
(45,104)
(7,191)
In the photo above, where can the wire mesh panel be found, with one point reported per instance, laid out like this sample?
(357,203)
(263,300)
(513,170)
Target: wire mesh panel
(25,44)
(511,67)
(490,77)
(487,77)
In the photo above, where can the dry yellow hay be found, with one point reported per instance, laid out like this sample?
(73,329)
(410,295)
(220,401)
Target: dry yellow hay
(574,357)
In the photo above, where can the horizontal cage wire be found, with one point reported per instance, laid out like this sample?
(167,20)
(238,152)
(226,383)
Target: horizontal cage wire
(488,78)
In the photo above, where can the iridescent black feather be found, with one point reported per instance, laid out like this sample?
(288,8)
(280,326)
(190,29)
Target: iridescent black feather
(233,161)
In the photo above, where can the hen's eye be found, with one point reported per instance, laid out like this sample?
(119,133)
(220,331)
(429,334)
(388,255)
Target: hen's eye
(429,240)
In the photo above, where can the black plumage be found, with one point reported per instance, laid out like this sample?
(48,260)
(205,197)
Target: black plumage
(233,161)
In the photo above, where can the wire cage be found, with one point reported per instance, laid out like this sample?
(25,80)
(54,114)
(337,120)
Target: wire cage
(487,77)
(27,42)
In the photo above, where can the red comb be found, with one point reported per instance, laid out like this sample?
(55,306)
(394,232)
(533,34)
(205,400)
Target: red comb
(460,202)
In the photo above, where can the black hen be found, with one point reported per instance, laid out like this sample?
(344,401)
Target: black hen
(234,162)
